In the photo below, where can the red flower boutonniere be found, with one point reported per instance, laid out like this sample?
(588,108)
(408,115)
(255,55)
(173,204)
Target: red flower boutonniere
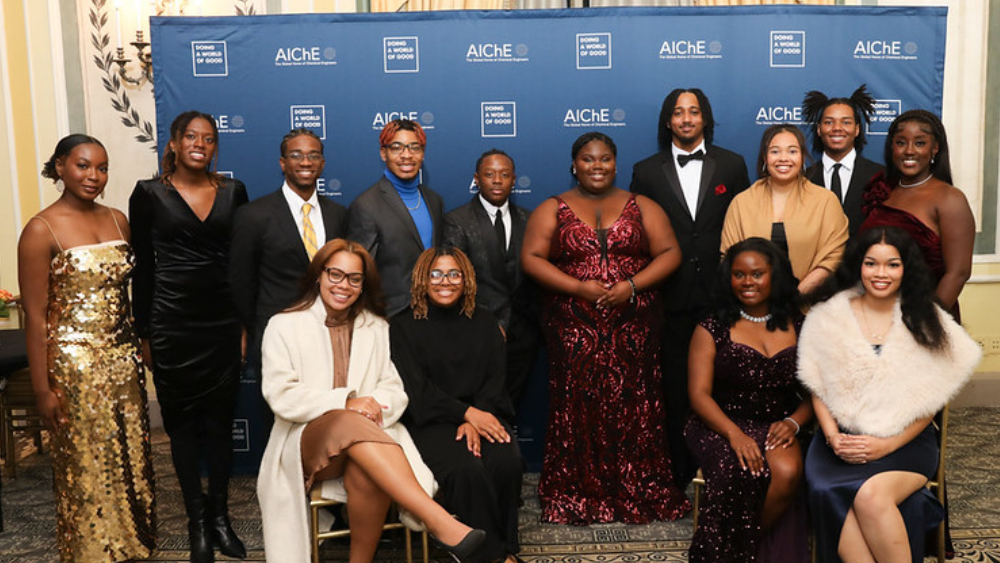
(720,189)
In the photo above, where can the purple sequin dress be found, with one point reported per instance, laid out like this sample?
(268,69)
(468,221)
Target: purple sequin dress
(606,455)
(754,391)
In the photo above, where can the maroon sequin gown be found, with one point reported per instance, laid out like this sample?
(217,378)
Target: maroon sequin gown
(606,454)
(754,391)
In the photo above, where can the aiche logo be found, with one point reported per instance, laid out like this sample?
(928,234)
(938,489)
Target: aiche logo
(884,49)
(690,49)
(209,58)
(230,123)
(885,112)
(496,53)
(400,54)
(382,118)
(311,117)
(305,56)
(788,49)
(593,51)
(498,119)
(594,117)
(329,188)
(771,115)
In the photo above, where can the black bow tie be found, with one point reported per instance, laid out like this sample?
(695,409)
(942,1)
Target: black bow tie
(683,159)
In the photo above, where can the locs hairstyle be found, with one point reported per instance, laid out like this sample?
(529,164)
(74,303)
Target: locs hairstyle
(815,103)
(784,300)
(371,298)
(664,136)
(421,280)
(930,124)
(62,150)
(765,141)
(916,292)
(169,162)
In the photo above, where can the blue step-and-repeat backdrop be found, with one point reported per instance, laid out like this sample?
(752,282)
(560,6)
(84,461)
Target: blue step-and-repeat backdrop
(528,82)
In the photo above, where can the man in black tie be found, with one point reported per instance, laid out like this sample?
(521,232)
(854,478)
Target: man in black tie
(490,230)
(694,181)
(837,132)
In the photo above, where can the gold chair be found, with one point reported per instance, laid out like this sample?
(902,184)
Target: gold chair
(18,411)
(316,502)
(699,484)
(936,485)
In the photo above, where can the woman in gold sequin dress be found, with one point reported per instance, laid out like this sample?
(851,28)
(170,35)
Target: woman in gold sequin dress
(74,262)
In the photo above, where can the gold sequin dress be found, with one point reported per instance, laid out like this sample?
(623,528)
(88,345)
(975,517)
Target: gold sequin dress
(102,470)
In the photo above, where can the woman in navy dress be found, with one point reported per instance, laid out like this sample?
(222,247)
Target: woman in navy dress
(880,358)
(748,409)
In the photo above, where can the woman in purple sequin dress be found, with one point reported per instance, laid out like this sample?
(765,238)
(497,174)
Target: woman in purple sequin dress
(748,408)
(600,252)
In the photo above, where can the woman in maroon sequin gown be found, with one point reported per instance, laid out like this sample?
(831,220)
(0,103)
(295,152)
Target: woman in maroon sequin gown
(748,408)
(600,252)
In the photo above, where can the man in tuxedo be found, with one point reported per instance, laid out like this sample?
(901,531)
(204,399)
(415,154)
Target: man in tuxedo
(837,132)
(275,236)
(397,218)
(694,181)
(490,230)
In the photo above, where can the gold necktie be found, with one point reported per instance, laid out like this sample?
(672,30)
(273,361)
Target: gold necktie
(308,234)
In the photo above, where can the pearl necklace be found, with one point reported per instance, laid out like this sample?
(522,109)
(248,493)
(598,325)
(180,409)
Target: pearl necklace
(754,319)
(915,184)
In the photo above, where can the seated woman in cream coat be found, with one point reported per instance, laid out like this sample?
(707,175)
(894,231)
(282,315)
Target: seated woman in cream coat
(805,220)
(337,399)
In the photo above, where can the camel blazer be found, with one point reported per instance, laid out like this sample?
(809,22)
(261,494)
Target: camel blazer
(297,383)
(815,224)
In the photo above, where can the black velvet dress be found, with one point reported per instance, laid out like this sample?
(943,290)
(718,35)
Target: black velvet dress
(448,363)
(182,301)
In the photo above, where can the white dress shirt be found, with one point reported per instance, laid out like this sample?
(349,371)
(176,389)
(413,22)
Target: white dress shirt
(315,215)
(491,210)
(846,170)
(689,176)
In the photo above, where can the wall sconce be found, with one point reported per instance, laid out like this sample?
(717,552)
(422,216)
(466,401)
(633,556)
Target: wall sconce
(142,53)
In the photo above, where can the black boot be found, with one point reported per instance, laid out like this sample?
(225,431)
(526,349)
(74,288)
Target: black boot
(222,532)
(198,530)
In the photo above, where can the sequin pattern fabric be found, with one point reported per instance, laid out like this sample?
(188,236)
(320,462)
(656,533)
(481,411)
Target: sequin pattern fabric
(606,453)
(753,390)
(101,456)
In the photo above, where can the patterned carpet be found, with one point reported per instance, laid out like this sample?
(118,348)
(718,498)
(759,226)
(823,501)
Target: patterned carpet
(974,488)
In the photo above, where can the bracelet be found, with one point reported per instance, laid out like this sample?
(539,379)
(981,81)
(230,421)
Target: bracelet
(792,420)
(631,298)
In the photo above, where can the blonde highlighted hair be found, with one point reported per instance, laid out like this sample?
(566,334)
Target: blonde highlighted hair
(421,280)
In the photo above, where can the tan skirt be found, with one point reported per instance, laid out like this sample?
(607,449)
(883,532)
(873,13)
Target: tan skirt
(327,437)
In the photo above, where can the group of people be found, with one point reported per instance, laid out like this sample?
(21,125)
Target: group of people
(393,341)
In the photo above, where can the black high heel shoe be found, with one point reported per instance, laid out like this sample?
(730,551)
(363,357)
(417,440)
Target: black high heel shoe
(463,549)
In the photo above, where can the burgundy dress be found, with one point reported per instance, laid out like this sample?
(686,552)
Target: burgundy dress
(754,391)
(606,455)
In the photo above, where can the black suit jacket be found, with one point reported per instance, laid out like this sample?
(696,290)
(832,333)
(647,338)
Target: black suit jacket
(864,171)
(500,283)
(723,175)
(267,257)
(380,222)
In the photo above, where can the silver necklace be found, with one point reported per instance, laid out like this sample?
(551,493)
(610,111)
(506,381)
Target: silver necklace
(419,200)
(915,184)
(754,319)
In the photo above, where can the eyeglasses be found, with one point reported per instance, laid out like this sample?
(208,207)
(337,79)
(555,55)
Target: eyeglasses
(336,275)
(398,148)
(313,157)
(453,276)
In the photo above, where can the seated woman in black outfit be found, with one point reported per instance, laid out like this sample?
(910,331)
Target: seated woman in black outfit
(451,358)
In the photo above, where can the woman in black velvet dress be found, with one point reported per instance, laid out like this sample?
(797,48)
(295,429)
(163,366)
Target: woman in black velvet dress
(451,358)
(191,336)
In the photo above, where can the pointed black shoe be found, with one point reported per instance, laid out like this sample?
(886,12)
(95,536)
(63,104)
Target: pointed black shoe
(463,549)
(222,532)
(198,532)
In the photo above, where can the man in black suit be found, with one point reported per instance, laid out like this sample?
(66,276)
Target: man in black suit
(397,218)
(270,252)
(837,132)
(694,181)
(495,251)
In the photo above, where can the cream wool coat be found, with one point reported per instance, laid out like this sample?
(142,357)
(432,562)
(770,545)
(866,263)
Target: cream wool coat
(879,394)
(297,383)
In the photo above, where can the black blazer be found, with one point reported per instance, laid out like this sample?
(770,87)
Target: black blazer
(267,257)
(500,282)
(723,175)
(379,221)
(864,171)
